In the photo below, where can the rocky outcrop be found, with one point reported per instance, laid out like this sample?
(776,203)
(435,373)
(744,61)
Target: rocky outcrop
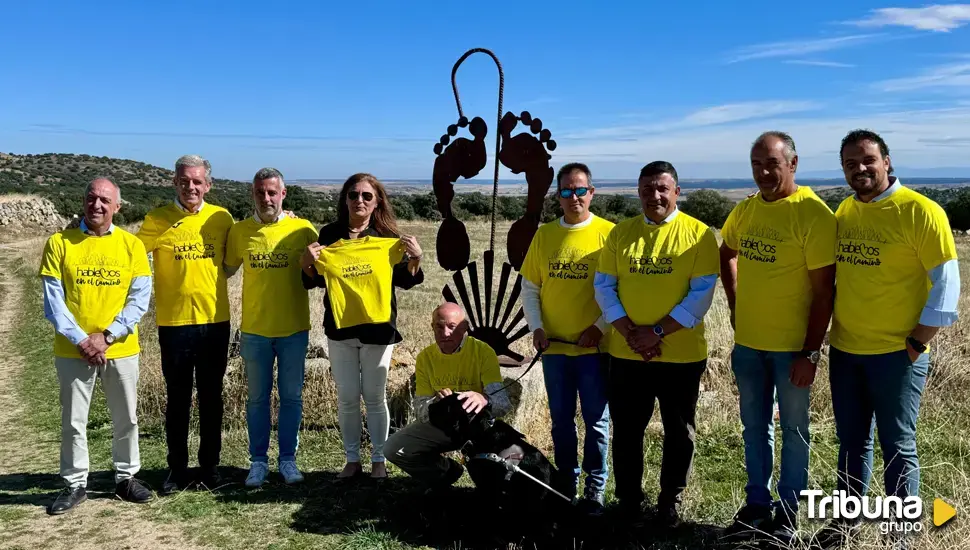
(29,212)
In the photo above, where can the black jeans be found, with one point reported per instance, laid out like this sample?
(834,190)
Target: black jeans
(200,352)
(633,388)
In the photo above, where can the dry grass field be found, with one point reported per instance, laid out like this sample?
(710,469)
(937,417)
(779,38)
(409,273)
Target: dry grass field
(319,515)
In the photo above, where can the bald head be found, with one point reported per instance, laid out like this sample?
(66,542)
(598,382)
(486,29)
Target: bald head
(449,326)
(102,200)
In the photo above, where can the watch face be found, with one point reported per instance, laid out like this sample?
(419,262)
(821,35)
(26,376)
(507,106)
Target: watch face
(658,330)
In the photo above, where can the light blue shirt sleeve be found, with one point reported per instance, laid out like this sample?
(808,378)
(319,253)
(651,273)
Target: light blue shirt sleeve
(604,287)
(139,295)
(941,306)
(55,311)
(691,310)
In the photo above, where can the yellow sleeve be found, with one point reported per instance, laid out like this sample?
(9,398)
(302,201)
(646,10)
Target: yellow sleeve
(934,240)
(139,260)
(148,233)
(422,376)
(488,365)
(820,243)
(234,256)
(395,252)
(50,264)
(707,261)
(607,260)
(530,266)
(729,232)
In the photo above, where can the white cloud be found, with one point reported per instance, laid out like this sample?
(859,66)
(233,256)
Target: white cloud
(813,63)
(938,17)
(797,47)
(954,75)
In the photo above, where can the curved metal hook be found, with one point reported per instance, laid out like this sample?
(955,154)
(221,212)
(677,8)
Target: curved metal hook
(498,121)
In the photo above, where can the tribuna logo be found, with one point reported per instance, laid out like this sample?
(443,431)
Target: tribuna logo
(896,514)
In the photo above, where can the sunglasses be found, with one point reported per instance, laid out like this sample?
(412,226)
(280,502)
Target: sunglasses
(354,195)
(579,192)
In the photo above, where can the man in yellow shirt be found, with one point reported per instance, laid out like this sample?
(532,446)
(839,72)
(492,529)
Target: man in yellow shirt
(97,286)
(557,296)
(778,270)
(187,241)
(654,283)
(455,363)
(897,283)
(275,321)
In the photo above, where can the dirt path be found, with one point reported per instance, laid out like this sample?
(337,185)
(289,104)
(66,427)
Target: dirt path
(29,464)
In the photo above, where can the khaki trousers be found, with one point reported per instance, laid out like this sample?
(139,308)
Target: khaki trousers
(119,381)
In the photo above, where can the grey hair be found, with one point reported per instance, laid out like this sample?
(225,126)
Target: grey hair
(269,173)
(787,139)
(87,190)
(186,161)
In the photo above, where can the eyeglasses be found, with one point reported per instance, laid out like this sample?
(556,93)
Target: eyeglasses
(579,192)
(354,195)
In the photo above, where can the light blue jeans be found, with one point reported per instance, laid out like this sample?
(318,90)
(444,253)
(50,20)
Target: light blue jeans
(259,353)
(565,377)
(761,376)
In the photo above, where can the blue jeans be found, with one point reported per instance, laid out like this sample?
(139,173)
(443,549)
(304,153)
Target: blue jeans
(877,390)
(565,376)
(259,353)
(761,375)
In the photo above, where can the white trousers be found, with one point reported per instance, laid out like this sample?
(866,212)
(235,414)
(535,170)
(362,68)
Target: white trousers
(361,369)
(119,381)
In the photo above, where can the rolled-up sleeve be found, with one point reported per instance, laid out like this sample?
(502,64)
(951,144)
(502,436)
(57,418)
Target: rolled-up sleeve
(604,287)
(941,305)
(139,295)
(692,309)
(56,311)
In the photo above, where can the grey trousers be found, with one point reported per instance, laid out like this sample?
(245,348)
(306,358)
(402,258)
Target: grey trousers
(119,380)
(417,449)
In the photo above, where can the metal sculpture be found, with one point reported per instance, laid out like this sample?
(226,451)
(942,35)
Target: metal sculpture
(525,153)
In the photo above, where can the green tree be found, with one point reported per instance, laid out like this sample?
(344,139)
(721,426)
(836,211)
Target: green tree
(708,206)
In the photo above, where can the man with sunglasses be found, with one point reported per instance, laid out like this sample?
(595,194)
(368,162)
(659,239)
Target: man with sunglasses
(559,304)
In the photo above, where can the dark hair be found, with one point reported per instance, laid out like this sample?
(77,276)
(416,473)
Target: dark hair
(382,219)
(855,136)
(790,151)
(569,169)
(658,167)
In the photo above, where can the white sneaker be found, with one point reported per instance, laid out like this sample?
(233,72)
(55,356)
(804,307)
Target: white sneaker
(257,474)
(291,474)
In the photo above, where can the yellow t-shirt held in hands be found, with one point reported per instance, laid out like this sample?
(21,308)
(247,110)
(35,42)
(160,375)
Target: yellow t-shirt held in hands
(778,243)
(275,304)
(471,368)
(562,262)
(358,273)
(96,273)
(188,251)
(653,265)
(885,251)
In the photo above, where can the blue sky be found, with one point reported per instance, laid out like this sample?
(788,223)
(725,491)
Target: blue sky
(323,90)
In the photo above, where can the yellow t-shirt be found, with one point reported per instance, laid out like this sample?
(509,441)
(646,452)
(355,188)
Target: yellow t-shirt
(778,243)
(653,265)
(885,251)
(471,368)
(562,262)
(96,273)
(275,304)
(358,274)
(188,251)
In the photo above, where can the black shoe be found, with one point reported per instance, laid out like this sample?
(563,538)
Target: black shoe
(667,516)
(210,479)
(454,473)
(836,534)
(133,490)
(784,528)
(176,481)
(592,503)
(67,499)
(629,511)
(750,522)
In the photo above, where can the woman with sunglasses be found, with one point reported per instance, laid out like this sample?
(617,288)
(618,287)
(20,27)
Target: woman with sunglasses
(361,355)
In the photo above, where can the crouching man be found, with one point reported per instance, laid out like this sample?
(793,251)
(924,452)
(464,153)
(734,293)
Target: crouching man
(455,363)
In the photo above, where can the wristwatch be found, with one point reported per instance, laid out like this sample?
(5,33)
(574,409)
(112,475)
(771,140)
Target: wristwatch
(812,355)
(659,331)
(920,347)
(108,337)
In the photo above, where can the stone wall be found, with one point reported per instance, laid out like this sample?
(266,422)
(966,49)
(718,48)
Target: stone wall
(29,212)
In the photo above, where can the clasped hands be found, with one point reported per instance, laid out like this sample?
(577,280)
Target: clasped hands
(92,349)
(474,402)
(643,341)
